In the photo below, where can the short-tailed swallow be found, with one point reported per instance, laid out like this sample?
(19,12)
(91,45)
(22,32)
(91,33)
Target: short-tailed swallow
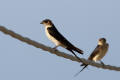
(57,38)
(98,53)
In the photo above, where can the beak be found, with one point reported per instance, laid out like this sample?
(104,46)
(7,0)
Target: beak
(41,22)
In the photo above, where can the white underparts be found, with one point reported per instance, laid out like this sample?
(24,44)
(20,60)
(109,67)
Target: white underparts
(56,42)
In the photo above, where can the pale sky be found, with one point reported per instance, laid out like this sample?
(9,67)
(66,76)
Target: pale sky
(82,22)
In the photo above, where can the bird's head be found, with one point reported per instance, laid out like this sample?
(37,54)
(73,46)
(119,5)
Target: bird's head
(101,41)
(47,23)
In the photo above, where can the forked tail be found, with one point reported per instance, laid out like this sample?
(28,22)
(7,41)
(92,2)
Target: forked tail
(81,70)
(78,50)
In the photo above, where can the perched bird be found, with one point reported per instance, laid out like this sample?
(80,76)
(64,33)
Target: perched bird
(98,53)
(57,38)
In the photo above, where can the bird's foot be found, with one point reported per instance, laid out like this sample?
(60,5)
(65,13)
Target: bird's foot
(102,63)
(55,48)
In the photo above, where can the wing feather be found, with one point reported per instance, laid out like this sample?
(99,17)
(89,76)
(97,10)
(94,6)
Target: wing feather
(56,34)
(94,53)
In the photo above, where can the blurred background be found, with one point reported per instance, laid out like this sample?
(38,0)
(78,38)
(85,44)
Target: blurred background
(82,22)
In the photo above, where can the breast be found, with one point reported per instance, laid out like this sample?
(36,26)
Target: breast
(56,42)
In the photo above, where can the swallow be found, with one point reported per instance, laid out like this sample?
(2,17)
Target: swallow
(98,53)
(57,38)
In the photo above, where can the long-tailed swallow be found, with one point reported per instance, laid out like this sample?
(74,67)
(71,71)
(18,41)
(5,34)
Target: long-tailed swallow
(98,53)
(54,35)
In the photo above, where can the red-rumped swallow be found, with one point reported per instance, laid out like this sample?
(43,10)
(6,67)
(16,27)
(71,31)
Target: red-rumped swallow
(57,38)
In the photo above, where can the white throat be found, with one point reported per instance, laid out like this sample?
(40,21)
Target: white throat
(47,26)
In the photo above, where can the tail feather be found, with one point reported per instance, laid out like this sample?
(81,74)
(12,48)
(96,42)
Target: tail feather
(84,68)
(74,54)
(81,70)
(78,50)
(83,64)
